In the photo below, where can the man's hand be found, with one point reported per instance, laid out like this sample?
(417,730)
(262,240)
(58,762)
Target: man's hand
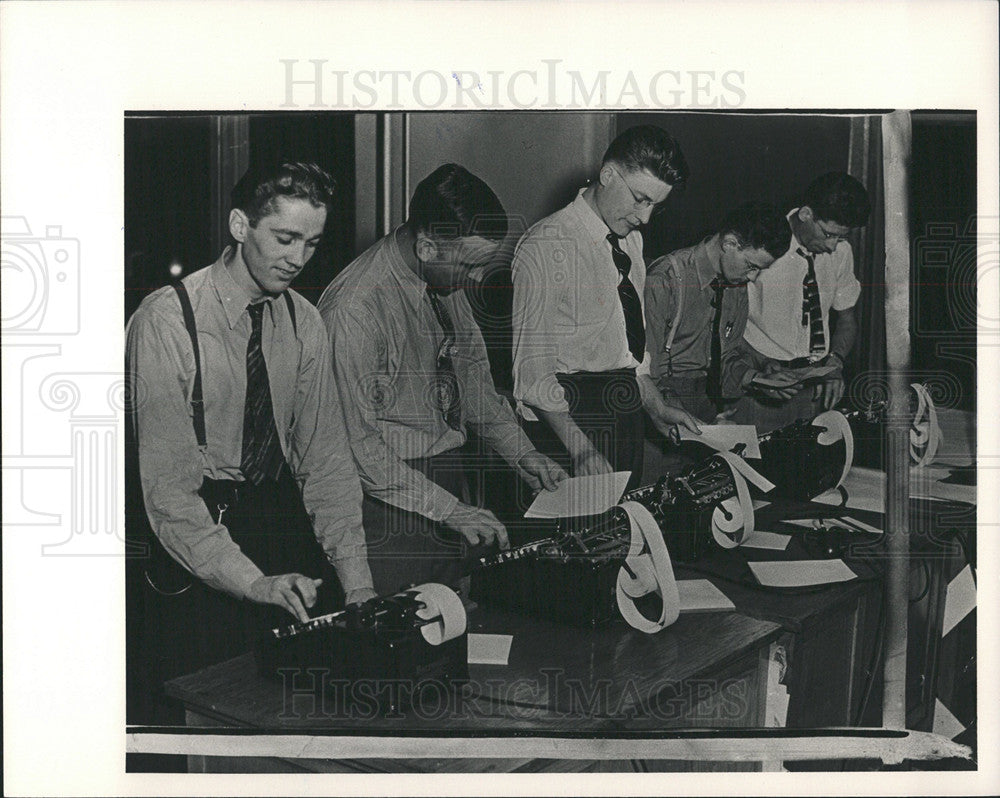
(831,390)
(477,526)
(540,471)
(782,383)
(294,592)
(359,595)
(591,462)
(666,418)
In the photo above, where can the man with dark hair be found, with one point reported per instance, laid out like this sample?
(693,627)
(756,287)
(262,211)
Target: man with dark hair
(242,452)
(579,339)
(413,377)
(696,306)
(801,311)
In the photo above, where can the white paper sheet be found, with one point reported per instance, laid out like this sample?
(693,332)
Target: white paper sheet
(760,539)
(700,595)
(580,496)
(723,437)
(846,521)
(801,573)
(489,649)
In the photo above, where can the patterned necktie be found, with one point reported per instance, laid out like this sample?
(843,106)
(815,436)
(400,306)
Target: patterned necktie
(262,458)
(715,365)
(812,313)
(635,332)
(446,393)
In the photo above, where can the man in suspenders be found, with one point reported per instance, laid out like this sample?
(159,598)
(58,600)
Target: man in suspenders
(696,306)
(246,474)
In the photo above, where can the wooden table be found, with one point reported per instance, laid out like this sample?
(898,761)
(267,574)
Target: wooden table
(704,671)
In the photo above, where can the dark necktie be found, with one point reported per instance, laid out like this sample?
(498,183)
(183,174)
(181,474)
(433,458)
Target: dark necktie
(635,332)
(446,393)
(262,458)
(715,365)
(812,313)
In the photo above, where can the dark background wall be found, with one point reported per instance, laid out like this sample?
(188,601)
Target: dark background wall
(535,162)
(735,158)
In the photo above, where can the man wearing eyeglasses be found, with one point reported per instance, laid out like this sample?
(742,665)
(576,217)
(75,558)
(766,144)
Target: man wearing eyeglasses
(696,305)
(580,360)
(414,379)
(802,311)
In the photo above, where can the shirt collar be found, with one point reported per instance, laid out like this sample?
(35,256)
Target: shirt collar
(703,266)
(795,244)
(592,224)
(233,298)
(412,286)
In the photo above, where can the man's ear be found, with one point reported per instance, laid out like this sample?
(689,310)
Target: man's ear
(806,213)
(239,225)
(606,174)
(729,241)
(425,248)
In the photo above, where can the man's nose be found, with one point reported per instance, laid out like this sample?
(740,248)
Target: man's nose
(297,255)
(644,214)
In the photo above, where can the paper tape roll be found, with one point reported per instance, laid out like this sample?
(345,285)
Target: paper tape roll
(836,428)
(925,433)
(445,608)
(649,560)
(732,531)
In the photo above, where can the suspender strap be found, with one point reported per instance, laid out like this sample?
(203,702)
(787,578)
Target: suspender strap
(677,318)
(197,403)
(291,312)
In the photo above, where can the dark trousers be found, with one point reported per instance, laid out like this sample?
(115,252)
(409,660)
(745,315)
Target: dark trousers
(607,407)
(177,625)
(406,548)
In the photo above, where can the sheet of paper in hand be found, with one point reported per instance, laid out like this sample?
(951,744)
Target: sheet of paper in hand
(580,496)
(802,375)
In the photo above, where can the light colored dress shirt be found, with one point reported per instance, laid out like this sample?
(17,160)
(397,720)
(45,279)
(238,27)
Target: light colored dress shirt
(566,313)
(160,363)
(385,341)
(775,327)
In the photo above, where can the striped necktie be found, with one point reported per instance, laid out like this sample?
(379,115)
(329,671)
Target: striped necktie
(812,313)
(446,392)
(262,458)
(635,332)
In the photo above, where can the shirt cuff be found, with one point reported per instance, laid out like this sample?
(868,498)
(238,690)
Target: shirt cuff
(440,503)
(235,572)
(353,571)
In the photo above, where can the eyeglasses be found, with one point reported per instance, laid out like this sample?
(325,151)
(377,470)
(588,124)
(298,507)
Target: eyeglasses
(829,235)
(639,201)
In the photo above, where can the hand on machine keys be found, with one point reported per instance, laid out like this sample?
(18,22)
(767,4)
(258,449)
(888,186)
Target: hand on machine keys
(477,526)
(293,592)
(297,593)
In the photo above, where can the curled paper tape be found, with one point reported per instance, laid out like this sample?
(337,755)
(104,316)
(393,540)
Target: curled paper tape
(925,433)
(732,521)
(836,427)
(649,561)
(445,608)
